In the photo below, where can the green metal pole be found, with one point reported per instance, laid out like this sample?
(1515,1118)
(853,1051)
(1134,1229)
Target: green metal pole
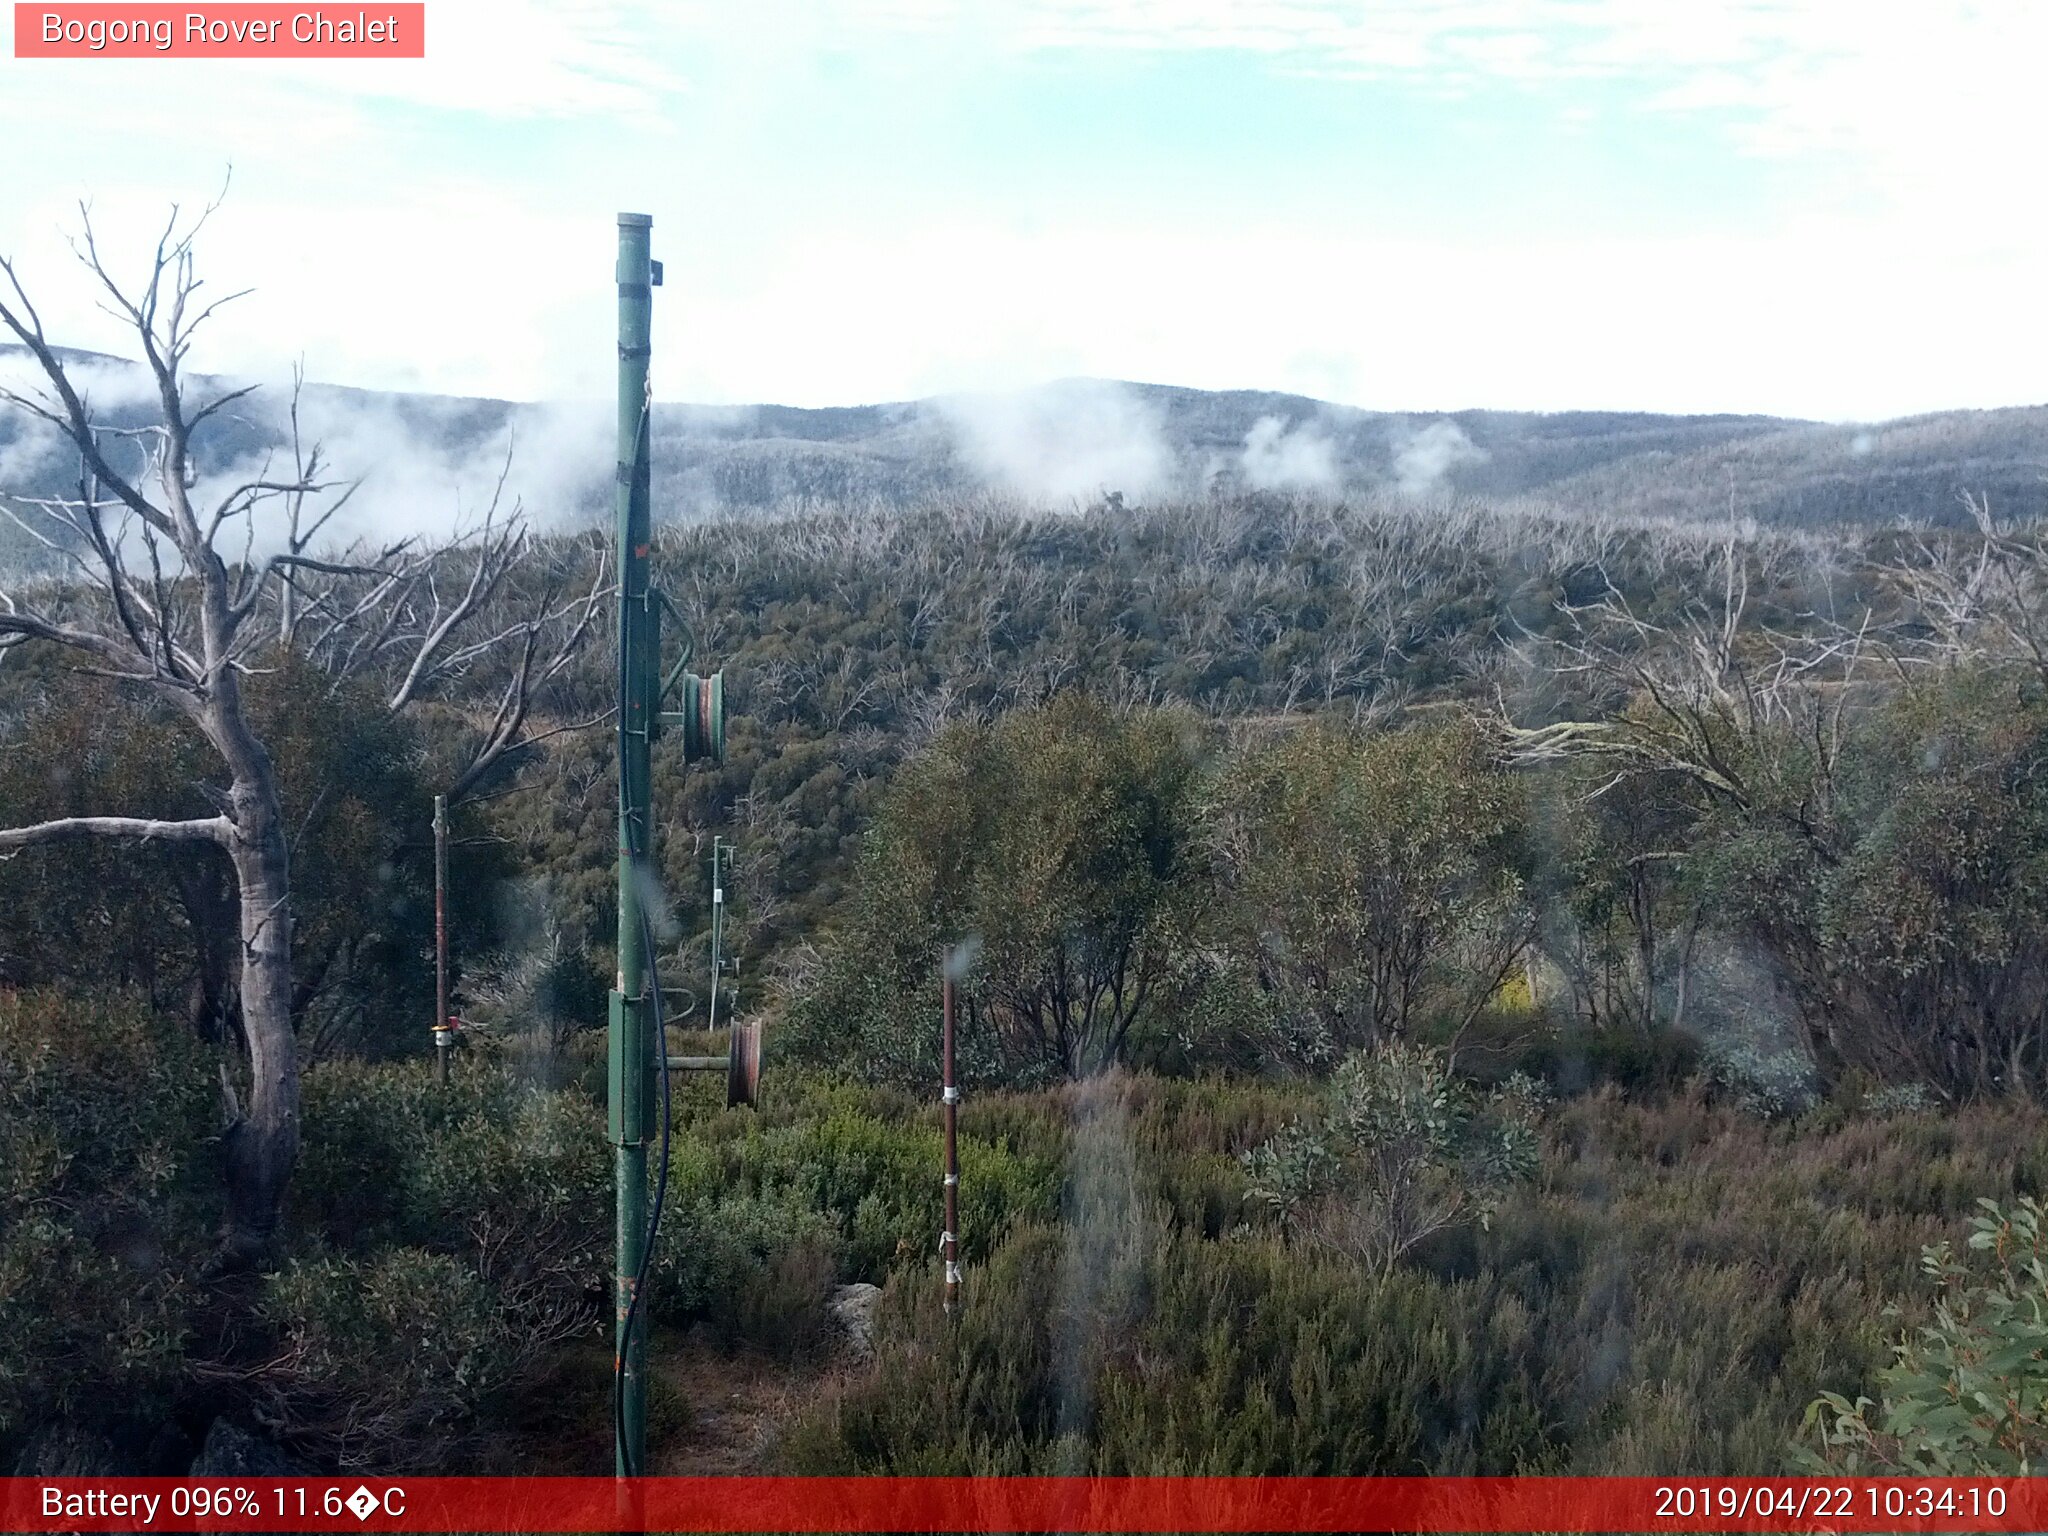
(631,1046)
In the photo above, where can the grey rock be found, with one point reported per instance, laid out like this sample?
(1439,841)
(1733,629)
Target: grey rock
(853,1308)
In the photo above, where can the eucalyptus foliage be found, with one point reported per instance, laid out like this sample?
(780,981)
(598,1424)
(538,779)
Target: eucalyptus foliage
(1398,1148)
(1966,1395)
(1370,879)
(1053,858)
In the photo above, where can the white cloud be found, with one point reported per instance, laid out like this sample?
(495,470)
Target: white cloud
(34,453)
(494,58)
(425,470)
(426,467)
(1278,459)
(1917,100)
(1068,442)
(1424,458)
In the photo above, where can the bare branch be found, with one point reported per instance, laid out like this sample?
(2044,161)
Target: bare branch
(206,829)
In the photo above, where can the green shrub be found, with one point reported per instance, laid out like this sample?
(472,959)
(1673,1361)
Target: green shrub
(447,1237)
(1579,1056)
(869,1159)
(1398,1150)
(756,1266)
(1190,1139)
(85,1337)
(1769,1084)
(881,1181)
(160,917)
(522,1193)
(1667,1291)
(1373,881)
(1894,870)
(1060,847)
(1967,1394)
(1218,1358)
(363,1130)
(106,1206)
(384,1362)
(512,1178)
(1898,1099)
(764,1211)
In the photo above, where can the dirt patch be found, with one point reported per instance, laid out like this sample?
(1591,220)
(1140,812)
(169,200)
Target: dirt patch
(711,1409)
(714,1411)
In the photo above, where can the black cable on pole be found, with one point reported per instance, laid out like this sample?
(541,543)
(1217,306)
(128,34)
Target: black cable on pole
(637,855)
(654,1212)
(633,1311)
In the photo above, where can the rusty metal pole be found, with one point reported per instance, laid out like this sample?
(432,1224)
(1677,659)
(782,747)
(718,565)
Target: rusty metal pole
(442,1028)
(949,1240)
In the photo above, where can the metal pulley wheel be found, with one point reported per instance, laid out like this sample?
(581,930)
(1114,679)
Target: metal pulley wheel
(743,1064)
(703,717)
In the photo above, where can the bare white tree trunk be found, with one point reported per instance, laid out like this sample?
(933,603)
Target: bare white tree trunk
(181,629)
(264,1146)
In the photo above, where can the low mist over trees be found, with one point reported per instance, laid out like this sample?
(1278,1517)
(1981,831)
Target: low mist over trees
(1066,445)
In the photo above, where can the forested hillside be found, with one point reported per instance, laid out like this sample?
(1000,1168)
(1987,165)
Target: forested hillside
(1449,983)
(1699,867)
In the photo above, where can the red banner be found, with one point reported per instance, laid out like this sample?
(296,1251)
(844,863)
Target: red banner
(1023,1504)
(380,30)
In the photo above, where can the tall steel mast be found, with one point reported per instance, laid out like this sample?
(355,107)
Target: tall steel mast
(638,1049)
(631,1043)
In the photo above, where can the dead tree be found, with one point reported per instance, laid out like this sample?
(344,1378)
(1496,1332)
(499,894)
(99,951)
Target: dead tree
(1712,713)
(171,595)
(1706,698)
(1978,598)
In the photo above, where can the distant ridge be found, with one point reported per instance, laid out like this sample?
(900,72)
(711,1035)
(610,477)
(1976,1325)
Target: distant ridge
(1071,442)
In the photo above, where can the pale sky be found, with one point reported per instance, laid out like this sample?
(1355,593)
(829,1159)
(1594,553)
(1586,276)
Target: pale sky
(1824,208)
